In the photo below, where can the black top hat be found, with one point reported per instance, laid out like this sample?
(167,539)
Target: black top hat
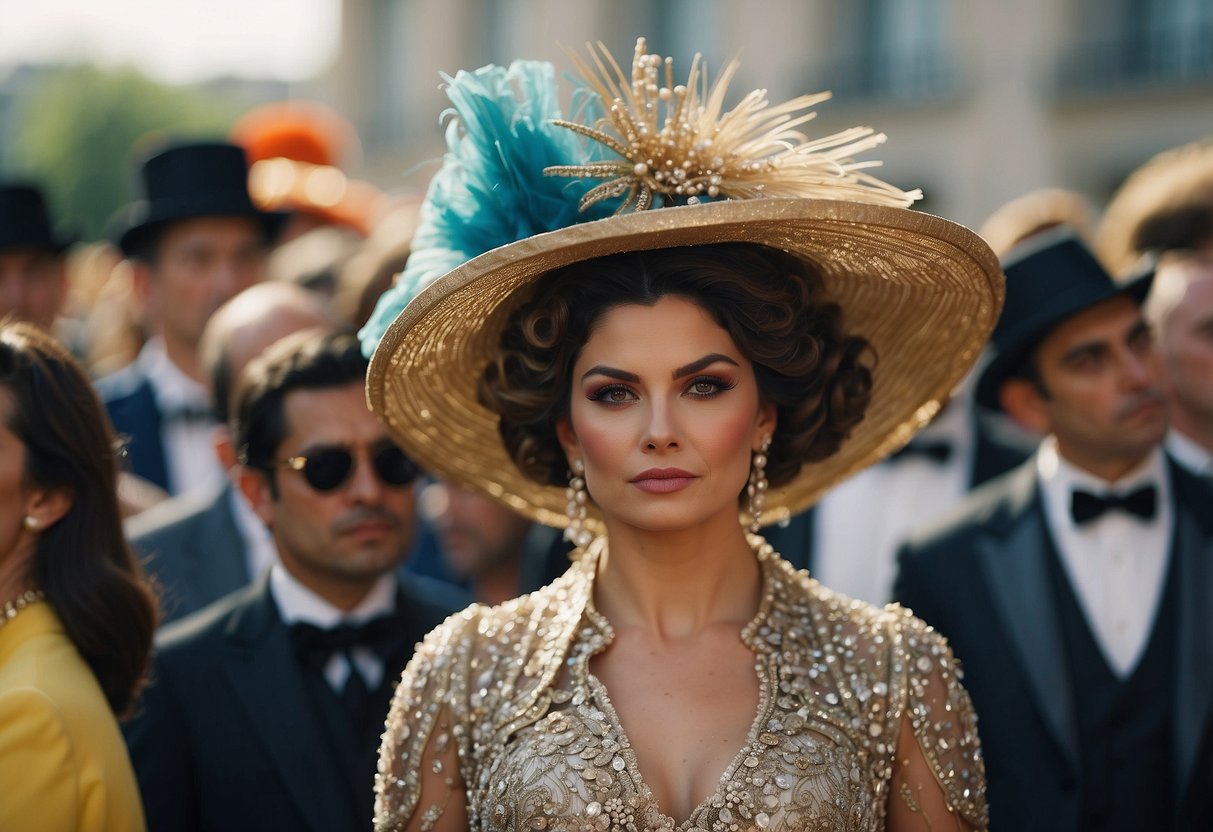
(1050,278)
(24,222)
(187,181)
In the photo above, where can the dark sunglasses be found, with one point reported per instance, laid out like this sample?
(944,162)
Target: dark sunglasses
(327,469)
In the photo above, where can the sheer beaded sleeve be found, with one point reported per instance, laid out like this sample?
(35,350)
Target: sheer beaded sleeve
(423,755)
(939,774)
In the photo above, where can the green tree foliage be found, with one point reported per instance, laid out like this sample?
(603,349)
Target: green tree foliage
(81,129)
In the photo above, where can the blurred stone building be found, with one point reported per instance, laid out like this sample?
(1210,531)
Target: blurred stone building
(983,100)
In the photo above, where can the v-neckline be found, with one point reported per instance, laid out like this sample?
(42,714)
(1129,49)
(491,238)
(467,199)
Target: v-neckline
(597,693)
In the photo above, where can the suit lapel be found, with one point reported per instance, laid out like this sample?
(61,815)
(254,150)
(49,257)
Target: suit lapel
(1013,561)
(137,417)
(1193,553)
(270,685)
(217,565)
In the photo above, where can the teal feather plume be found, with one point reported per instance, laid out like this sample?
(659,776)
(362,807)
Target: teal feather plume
(491,189)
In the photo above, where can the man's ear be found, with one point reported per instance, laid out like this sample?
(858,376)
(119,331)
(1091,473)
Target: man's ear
(255,486)
(142,283)
(47,506)
(221,441)
(1022,400)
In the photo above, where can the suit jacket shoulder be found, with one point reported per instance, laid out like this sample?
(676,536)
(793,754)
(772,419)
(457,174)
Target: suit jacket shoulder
(992,507)
(193,549)
(430,600)
(1193,494)
(171,518)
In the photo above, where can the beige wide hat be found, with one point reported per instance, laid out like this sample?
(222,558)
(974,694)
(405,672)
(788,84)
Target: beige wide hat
(925,292)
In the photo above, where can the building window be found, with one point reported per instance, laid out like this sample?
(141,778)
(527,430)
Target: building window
(892,49)
(1130,43)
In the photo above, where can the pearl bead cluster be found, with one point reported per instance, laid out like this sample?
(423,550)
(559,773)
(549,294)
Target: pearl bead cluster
(756,490)
(578,498)
(678,157)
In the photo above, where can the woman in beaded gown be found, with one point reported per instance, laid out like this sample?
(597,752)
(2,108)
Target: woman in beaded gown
(731,322)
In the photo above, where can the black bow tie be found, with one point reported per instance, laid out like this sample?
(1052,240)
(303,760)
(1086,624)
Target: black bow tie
(936,451)
(1086,507)
(315,645)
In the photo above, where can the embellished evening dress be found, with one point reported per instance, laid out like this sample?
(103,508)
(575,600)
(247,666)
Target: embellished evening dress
(540,746)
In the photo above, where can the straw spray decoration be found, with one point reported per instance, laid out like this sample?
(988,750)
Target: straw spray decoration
(699,152)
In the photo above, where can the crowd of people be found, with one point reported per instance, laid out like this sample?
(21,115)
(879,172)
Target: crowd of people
(228,525)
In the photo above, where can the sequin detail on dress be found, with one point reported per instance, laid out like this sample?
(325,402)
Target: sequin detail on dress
(540,747)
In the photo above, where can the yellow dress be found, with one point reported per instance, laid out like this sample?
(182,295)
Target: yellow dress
(540,747)
(63,763)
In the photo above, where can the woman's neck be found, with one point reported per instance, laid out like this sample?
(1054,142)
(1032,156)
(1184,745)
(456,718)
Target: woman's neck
(15,570)
(675,584)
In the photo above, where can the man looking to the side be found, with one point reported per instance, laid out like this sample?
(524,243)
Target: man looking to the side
(264,710)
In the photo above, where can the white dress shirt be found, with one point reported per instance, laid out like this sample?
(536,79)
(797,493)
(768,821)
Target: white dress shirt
(297,603)
(860,524)
(1188,453)
(188,445)
(1117,563)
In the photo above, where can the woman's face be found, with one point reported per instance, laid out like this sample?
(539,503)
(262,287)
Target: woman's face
(664,413)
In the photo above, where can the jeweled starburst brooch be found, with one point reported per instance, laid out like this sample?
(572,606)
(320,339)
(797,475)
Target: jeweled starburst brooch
(676,141)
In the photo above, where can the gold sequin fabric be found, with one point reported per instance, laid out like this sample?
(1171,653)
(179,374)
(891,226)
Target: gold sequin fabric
(540,747)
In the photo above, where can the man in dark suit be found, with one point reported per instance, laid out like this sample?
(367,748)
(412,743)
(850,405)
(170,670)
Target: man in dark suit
(264,709)
(1075,589)
(194,241)
(207,543)
(851,548)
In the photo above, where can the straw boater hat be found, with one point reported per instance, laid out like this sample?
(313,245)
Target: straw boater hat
(924,291)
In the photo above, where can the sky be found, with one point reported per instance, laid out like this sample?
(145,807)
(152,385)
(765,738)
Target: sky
(176,41)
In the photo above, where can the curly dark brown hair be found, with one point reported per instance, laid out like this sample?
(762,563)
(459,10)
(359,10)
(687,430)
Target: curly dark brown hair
(772,304)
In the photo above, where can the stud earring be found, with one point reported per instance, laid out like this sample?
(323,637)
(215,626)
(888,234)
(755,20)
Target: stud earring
(757,488)
(31,523)
(575,509)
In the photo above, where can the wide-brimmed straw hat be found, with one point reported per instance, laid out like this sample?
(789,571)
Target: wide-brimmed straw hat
(925,292)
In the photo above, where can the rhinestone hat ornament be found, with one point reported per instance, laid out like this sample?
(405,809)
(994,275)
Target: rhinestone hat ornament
(676,142)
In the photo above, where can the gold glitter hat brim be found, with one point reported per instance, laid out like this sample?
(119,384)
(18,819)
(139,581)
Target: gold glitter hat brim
(924,291)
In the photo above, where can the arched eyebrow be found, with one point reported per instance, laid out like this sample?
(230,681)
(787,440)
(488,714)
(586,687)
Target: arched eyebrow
(699,364)
(610,372)
(679,372)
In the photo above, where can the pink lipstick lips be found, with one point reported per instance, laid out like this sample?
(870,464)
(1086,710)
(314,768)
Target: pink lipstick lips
(663,480)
